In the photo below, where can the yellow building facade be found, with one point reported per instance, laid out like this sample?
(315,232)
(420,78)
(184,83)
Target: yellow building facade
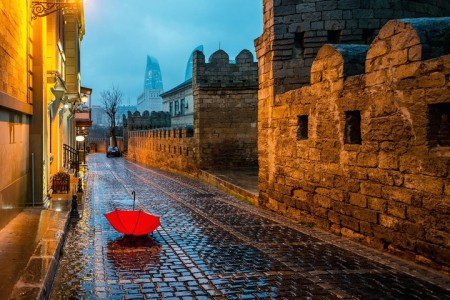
(39,95)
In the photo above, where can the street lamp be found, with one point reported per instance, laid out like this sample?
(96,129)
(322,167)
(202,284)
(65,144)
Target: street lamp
(79,138)
(84,99)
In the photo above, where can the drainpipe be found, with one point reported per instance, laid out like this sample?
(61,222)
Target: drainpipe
(32,177)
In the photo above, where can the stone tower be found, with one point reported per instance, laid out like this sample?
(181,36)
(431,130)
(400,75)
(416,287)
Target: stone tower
(294,31)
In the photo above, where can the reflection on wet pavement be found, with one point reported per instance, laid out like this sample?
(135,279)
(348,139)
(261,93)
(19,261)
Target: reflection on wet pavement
(211,246)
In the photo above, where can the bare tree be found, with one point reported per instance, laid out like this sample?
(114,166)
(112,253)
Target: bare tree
(111,100)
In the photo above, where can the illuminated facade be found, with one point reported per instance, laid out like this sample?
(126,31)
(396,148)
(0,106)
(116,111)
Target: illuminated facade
(39,94)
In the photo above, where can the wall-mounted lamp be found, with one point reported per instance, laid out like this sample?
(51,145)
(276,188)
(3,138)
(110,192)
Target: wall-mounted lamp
(84,99)
(58,91)
(42,9)
(79,138)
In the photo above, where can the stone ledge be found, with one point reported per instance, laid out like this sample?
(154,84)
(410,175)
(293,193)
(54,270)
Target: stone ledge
(37,278)
(228,187)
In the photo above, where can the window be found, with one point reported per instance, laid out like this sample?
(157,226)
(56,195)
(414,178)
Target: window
(352,131)
(438,131)
(171,108)
(299,45)
(302,130)
(183,108)
(334,36)
(299,40)
(368,34)
(177,108)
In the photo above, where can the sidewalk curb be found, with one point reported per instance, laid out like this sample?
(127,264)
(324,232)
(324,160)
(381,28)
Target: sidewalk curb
(37,278)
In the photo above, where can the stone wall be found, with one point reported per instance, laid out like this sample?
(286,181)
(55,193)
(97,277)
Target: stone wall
(296,29)
(225,120)
(169,149)
(136,121)
(225,117)
(366,154)
(15,110)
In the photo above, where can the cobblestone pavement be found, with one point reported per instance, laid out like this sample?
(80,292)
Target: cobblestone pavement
(212,246)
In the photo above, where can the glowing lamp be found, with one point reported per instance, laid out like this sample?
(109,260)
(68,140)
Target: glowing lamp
(79,138)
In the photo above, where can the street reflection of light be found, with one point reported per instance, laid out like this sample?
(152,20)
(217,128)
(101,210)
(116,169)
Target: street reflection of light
(7,207)
(58,209)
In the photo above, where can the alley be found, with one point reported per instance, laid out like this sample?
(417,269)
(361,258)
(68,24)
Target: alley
(213,246)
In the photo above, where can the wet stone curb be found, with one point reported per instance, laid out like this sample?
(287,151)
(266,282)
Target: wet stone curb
(37,278)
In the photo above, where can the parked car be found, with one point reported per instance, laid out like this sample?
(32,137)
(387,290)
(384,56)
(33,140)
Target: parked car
(112,151)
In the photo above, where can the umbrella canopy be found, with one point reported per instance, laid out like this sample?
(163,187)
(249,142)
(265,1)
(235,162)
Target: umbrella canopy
(133,222)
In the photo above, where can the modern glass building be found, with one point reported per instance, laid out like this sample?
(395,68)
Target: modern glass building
(150,99)
(188,73)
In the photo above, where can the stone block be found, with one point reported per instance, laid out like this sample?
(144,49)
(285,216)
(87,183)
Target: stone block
(435,79)
(351,234)
(397,209)
(437,204)
(378,48)
(388,161)
(376,77)
(334,217)
(427,184)
(364,214)
(322,201)
(438,237)
(377,204)
(367,160)
(397,194)
(371,189)
(407,70)
(350,223)
(365,228)
(415,53)
(358,199)
(438,253)
(389,221)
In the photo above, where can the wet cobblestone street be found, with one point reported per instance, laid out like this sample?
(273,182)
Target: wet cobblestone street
(213,246)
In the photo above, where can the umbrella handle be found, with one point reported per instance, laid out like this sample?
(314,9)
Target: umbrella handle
(134,198)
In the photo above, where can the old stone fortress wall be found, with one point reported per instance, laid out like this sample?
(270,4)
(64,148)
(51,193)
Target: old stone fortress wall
(225,118)
(352,121)
(367,155)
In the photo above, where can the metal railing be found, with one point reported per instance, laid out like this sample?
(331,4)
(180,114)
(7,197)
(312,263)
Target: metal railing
(71,159)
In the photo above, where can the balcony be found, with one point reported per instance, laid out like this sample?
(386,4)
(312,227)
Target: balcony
(83,118)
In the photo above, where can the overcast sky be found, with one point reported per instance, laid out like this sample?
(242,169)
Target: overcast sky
(121,33)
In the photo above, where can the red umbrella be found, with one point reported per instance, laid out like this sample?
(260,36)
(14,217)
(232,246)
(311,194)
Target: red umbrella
(134,222)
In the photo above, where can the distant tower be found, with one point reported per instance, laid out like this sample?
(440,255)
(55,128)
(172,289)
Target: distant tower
(153,86)
(188,73)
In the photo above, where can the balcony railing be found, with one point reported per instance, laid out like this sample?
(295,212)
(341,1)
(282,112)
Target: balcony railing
(71,159)
(83,118)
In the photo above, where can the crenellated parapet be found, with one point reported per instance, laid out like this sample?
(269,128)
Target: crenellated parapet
(136,121)
(219,72)
(168,148)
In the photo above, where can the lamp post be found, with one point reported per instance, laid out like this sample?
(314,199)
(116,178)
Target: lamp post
(78,138)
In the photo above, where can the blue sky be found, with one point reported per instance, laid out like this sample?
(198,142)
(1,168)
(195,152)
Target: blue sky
(120,34)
